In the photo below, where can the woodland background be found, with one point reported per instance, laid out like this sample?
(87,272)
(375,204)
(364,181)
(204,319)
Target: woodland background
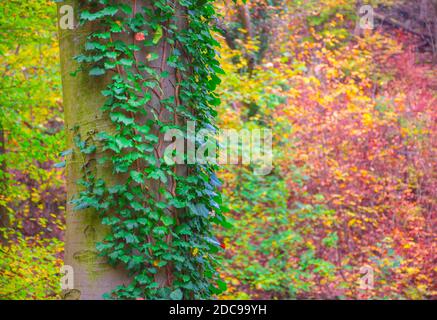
(353,114)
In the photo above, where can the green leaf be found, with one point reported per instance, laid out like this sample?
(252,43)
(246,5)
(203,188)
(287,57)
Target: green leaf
(109,11)
(126,9)
(221,285)
(60,164)
(137,206)
(199,209)
(152,56)
(158,175)
(130,238)
(176,295)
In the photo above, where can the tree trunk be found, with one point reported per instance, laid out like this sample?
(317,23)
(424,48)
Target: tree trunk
(82,102)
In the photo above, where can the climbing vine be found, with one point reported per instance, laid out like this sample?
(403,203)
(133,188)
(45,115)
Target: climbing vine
(160,215)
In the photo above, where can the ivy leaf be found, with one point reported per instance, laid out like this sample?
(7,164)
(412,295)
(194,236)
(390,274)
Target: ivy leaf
(167,220)
(126,62)
(158,175)
(158,35)
(178,203)
(66,152)
(120,117)
(176,295)
(86,15)
(221,285)
(184,229)
(97,71)
(89,149)
(152,56)
(59,165)
(215,181)
(109,11)
(130,238)
(159,230)
(138,214)
(126,9)
(137,206)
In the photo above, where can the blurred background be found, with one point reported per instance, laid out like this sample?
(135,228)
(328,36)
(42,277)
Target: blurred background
(352,108)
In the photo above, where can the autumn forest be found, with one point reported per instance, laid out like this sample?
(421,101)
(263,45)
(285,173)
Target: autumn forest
(218,149)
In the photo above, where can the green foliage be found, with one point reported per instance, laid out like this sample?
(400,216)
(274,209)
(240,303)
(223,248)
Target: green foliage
(30,110)
(269,251)
(345,192)
(167,230)
(29,269)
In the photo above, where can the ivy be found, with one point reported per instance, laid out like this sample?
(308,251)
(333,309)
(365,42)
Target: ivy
(160,220)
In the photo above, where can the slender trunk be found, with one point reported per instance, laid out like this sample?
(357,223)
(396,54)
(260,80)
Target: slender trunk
(244,13)
(82,103)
